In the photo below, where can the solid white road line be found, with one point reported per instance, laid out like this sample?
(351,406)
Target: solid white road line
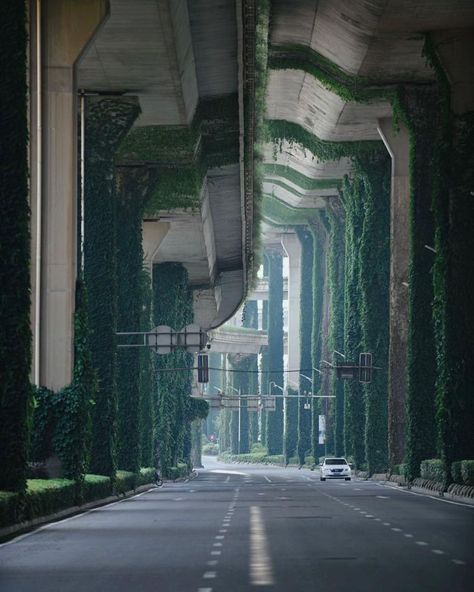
(269,480)
(261,573)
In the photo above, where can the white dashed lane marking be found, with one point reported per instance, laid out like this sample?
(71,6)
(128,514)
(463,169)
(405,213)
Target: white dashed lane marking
(209,575)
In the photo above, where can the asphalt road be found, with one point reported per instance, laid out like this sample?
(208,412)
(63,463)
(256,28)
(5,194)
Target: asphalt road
(244,527)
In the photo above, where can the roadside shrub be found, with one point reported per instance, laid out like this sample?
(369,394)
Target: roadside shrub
(178,472)
(456,471)
(399,470)
(124,481)
(96,487)
(210,448)
(145,476)
(47,496)
(467,472)
(432,469)
(9,508)
(277,459)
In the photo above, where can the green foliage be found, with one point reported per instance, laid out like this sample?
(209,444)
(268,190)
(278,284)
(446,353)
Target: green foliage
(178,472)
(182,155)
(274,419)
(291,430)
(278,213)
(61,421)
(124,481)
(421,109)
(374,273)
(467,472)
(15,333)
(96,487)
(148,390)
(454,281)
(306,332)
(345,85)
(294,176)
(319,233)
(133,310)
(432,469)
(107,121)
(211,449)
(280,130)
(354,419)
(172,307)
(335,277)
(196,409)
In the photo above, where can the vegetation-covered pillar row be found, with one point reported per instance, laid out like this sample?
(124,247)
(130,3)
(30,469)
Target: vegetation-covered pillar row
(134,186)
(15,335)
(274,419)
(250,320)
(306,332)
(173,306)
(453,205)
(107,122)
(397,143)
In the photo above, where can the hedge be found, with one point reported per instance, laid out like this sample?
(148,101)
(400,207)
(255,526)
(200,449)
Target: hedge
(433,470)
(48,496)
(462,471)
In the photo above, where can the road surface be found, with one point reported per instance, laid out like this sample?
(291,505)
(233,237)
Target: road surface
(246,527)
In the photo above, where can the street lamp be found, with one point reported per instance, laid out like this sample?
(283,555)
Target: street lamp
(339,354)
(275,384)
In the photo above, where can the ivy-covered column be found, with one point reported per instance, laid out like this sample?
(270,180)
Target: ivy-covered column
(173,306)
(453,205)
(15,334)
(134,185)
(422,109)
(275,351)
(107,122)
(374,254)
(318,407)
(148,390)
(250,319)
(335,274)
(354,416)
(306,332)
(397,142)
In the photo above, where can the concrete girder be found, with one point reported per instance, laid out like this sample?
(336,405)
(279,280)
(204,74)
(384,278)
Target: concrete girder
(237,340)
(294,95)
(368,39)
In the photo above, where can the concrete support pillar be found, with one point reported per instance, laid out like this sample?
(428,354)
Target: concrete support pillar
(292,247)
(397,144)
(65,27)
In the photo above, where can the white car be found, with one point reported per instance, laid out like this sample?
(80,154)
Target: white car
(335,468)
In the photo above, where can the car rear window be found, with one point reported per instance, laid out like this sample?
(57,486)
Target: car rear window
(336,461)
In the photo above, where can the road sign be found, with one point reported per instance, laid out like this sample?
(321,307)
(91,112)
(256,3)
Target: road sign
(203,368)
(231,402)
(252,403)
(347,371)
(269,403)
(365,367)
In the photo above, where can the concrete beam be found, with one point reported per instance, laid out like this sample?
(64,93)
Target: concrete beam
(67,26)
(397,144)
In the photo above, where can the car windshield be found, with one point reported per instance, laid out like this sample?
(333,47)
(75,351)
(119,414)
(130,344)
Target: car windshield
(336,461)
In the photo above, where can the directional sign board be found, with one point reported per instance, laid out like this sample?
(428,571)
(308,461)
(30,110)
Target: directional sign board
(252,403)
(215,403)
(269,403)
(231,402)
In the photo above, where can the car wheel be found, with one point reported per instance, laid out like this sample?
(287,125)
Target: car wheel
(322,478)
(348,478)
